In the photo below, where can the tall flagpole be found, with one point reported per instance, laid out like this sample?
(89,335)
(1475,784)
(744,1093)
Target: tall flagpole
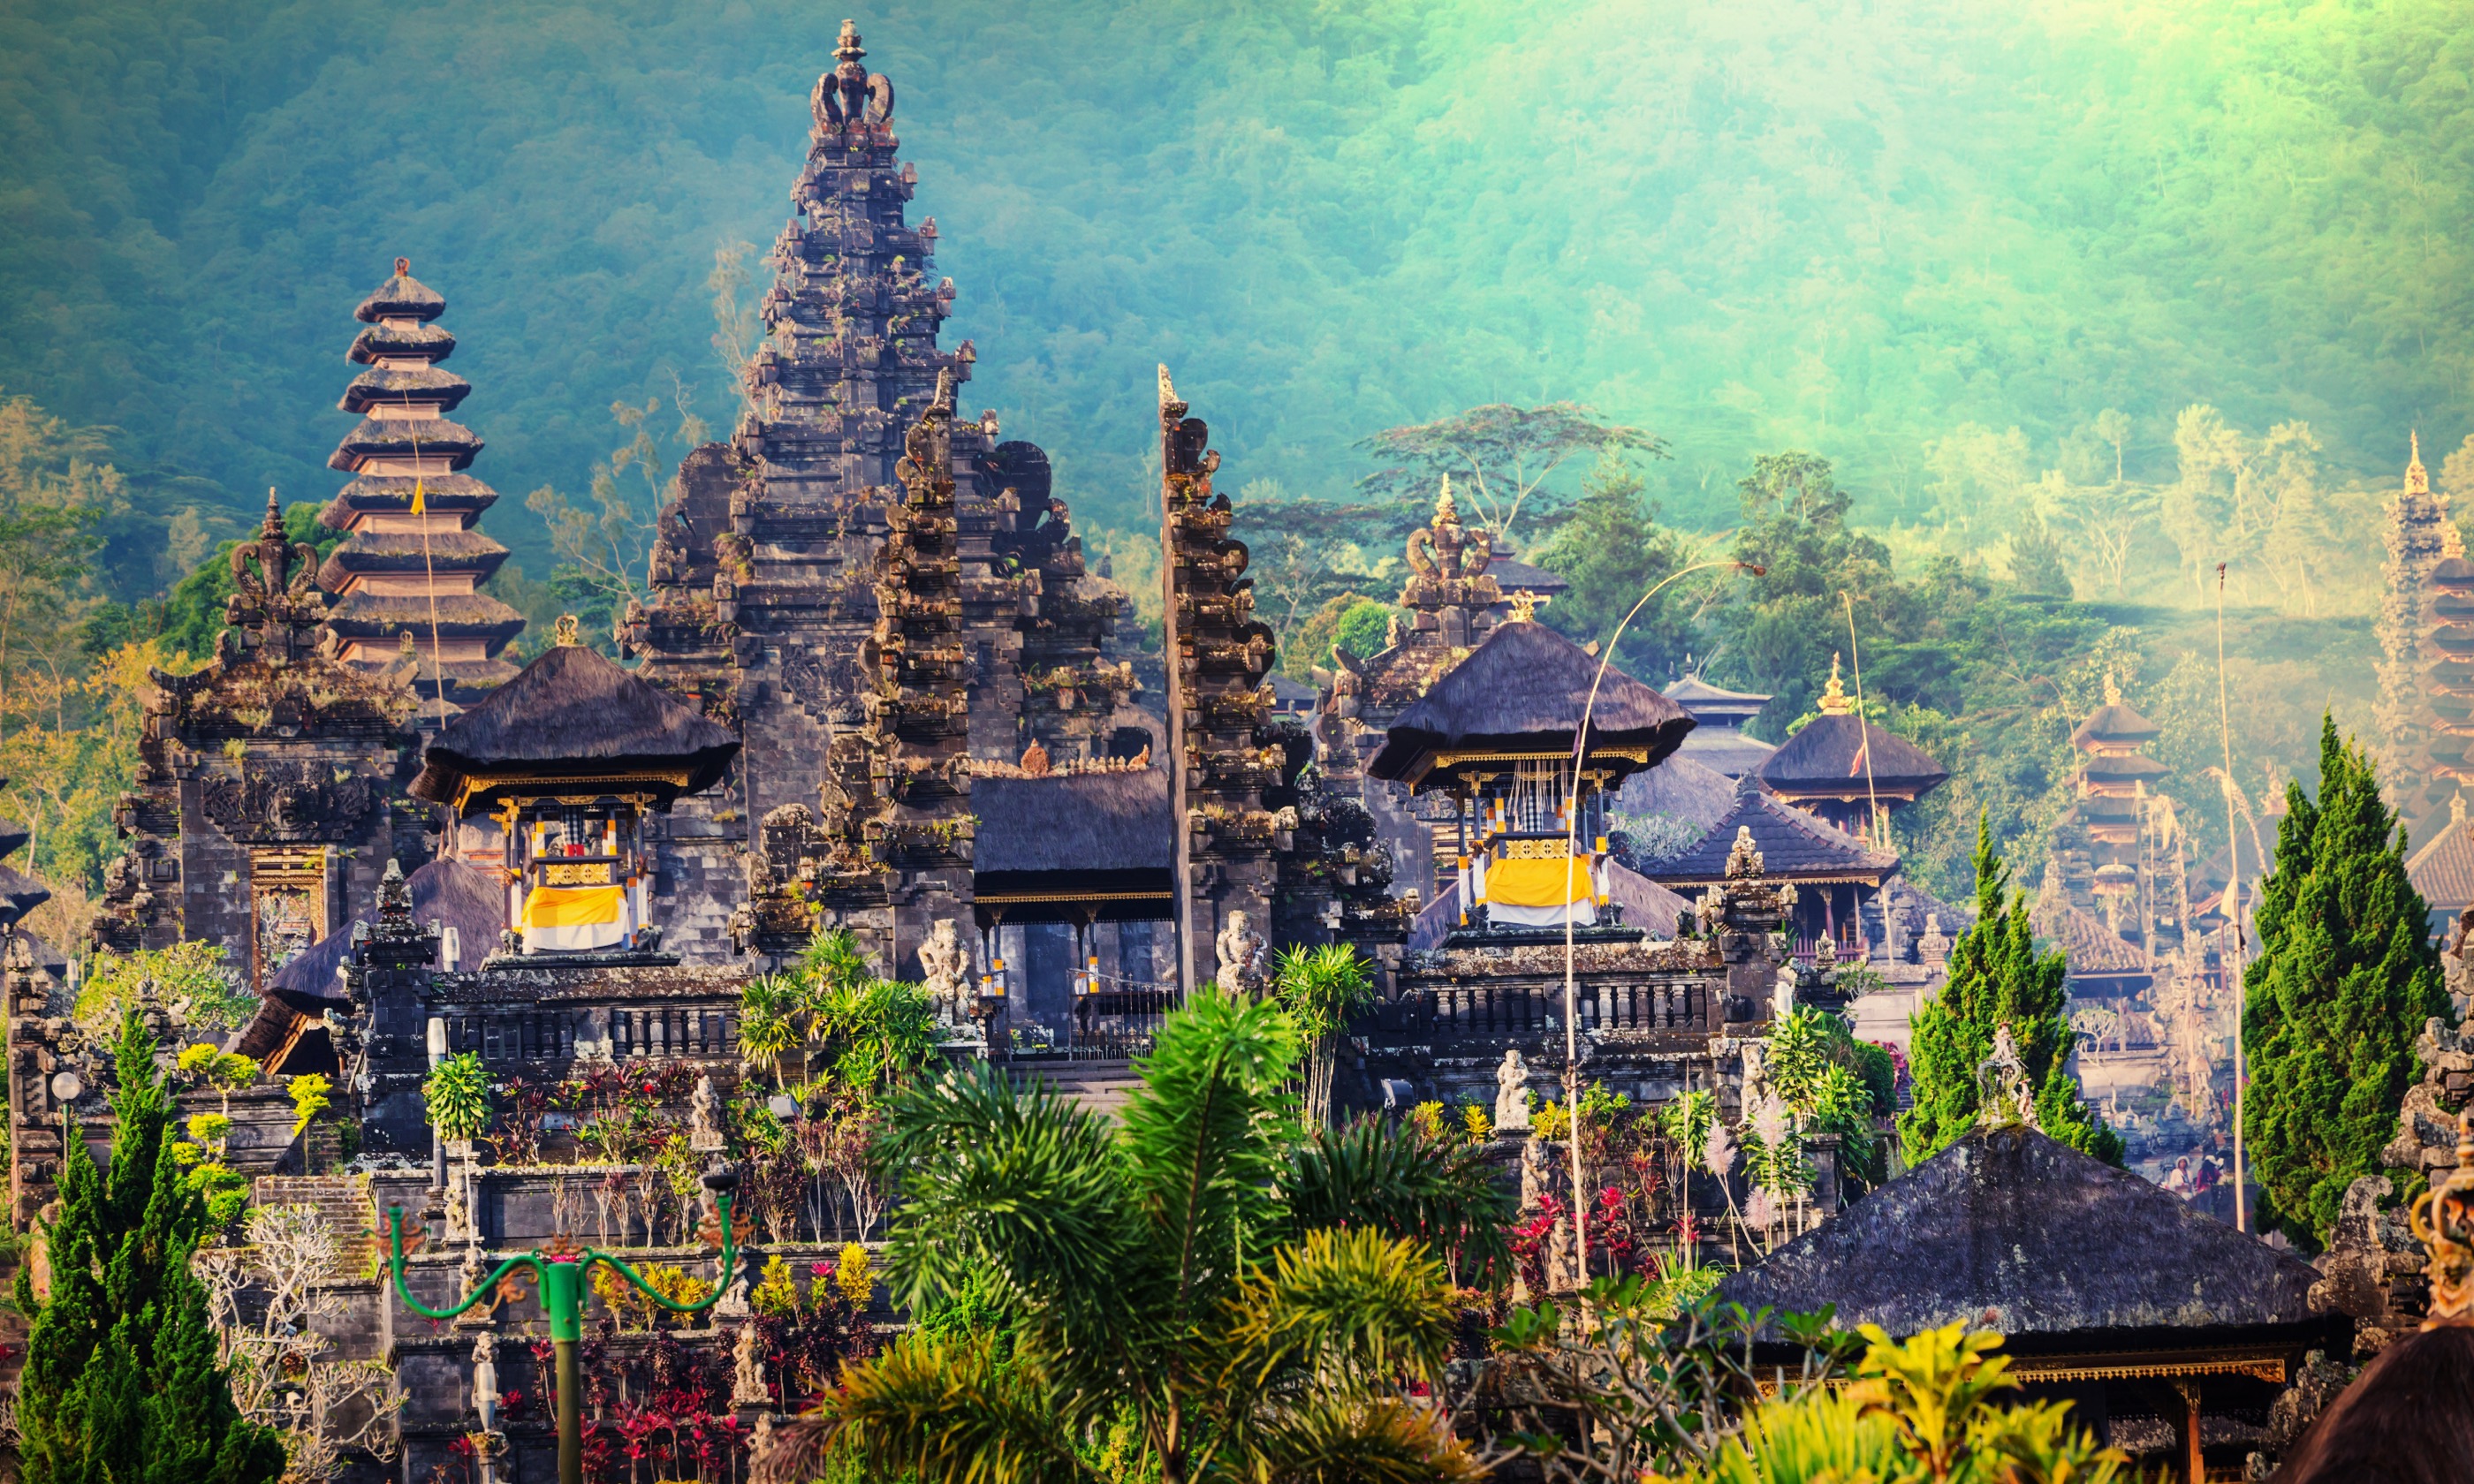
(2232,905)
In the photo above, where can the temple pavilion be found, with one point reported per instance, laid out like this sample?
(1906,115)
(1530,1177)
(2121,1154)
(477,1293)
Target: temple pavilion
(411,566)
(1836,876)
(1847,770)
(1718,742)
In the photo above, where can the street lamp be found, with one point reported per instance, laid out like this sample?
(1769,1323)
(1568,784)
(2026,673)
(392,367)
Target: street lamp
(561,1277)
(1572,987)
(436,1040)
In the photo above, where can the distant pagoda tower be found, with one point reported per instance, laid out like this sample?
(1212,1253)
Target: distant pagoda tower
(2111,815)
(410,568)
(2414,541)
(2449,684)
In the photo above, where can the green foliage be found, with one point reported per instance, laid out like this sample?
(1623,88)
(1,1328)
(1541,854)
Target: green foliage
(1170,1268)
(2333,1004)
(1997,979)
(875,1032)
(192,970)
(311,1094)
(1613,551)
(1364,628)
(457,1096)
(122,1380)
(1403,1181)
(1930,1408)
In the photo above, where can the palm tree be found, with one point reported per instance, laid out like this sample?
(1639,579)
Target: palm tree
(1175,1271)
(769,1025)
(1323,987)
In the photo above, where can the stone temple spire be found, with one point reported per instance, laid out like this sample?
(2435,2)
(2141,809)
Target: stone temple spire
(411,564)
(2413,544)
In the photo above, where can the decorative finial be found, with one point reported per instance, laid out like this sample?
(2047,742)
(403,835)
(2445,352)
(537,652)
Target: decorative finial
(944,399)
(403,267)
(849,50)
(2442,1219)
(1524,606)
(2418,479)
(567,636)
(2457,808)
(1167,391)
(273,514)
(2112,690)
(2452,540)
(1446,513)
(1834,700)
(1035,760)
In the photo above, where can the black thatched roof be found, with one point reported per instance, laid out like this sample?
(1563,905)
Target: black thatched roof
(2452,573)
(1829,754)
(407,551)
(446,493)
(572,714)
(1513,576)
(13,836)
(1523,691)
(1705,700)
(405,438)
(373,615)
(20,893)
(1682,787)
(2009,1230)
(1794,846)
(400,343)
(426,385)
(2115,723)
(403,297)
(1047,839)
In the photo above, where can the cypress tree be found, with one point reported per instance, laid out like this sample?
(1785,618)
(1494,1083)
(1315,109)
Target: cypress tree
(1998,978)
(122,1383)
(2331,1008)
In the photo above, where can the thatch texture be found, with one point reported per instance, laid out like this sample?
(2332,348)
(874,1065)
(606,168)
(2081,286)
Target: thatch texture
(1523,690)
(2117,725)
(372,616)
(1794,846)
(426,385)
(1829,753)
(403,551)
(397,342)
(405,438)
(1066,824)
(1682,787)
(448,495)
(2011,1230)
(574,714)
(403,297)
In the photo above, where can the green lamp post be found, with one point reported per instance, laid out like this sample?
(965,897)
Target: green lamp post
(561,1277)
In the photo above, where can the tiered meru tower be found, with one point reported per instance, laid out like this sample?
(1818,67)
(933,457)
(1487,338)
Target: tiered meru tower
(411,566)
(2414,541)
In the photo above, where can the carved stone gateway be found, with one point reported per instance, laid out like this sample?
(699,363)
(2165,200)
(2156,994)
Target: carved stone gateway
(287,802)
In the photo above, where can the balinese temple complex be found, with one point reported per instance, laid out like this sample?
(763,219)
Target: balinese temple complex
(875,688)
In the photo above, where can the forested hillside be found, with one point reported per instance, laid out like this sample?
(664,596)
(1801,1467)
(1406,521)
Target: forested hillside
(1888,232)
(2075,299)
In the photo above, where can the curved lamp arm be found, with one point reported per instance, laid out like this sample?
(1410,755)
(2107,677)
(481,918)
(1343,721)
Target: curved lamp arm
(395,1265)
(729,1260)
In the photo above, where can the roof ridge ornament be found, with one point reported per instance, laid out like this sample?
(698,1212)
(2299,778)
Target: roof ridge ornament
(850,95)
(568,636)
(2112,688)
(1834,700)
(2418,479)
(1524,607)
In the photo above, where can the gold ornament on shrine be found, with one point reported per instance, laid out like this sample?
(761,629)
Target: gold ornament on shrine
(2443,1222)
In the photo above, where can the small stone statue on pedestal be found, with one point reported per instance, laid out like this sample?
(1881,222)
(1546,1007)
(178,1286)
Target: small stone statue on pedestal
(704,1118)
(485,1380)
(1240,951)
(1512,1095)
(747,1371)
(945,962)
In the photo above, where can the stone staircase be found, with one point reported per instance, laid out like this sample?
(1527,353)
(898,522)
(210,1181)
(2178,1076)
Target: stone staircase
(1100,1086)
(342,1203)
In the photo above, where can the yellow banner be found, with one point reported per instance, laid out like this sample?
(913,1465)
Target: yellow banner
(574,907)
(1539,883)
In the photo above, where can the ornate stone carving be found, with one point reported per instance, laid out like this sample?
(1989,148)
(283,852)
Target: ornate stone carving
(945,961)
(2003,1095)
(284,803)
(704,1115)
(1240,951)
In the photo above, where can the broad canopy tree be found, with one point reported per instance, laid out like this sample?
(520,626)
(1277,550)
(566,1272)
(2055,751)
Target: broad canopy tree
(1497,455)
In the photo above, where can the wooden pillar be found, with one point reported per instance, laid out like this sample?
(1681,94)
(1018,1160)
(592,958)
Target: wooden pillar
(2194,1464)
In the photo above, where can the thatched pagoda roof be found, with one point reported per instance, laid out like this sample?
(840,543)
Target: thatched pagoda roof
(444,493)
(1827,757)
(1102,842)
(573,715)
(2009,1230)
(428,386)
(1794,846)
(403,297)
(405,438)
(409,551)
(1521,693)
(400,343)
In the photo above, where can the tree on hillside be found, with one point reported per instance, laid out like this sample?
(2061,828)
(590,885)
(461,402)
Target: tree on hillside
(2345,978)
(1612,549)
(1497,455)
(123,1382)
(1998,978)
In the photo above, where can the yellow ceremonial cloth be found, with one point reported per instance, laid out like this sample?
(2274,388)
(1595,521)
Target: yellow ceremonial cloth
(574,907)
(1539,883)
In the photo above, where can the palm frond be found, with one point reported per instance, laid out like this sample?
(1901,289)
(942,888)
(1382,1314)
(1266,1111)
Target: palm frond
(1403,1183)
(1346,1303)
(945,1410)
(1019,1187)
(1200,1135)
(1361,1440)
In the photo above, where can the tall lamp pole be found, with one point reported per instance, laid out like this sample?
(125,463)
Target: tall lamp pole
(1571,980)
(561,1277)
